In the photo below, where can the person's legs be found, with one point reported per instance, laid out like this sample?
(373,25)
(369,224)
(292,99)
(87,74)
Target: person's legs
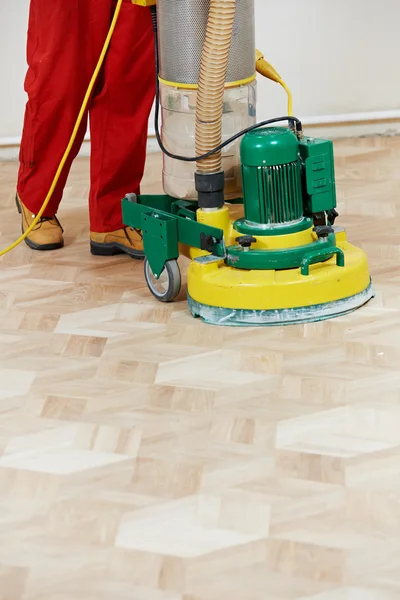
(119,121)
(64,42)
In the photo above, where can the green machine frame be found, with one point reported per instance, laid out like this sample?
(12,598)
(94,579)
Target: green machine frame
(308,166)
(166,223)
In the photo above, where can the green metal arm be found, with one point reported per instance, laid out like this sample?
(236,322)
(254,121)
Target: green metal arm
(318,255)
(163,231)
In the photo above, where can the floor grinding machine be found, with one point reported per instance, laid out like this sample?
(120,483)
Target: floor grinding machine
(282,260)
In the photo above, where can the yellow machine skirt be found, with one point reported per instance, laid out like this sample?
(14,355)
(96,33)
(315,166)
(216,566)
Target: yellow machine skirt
(223,295)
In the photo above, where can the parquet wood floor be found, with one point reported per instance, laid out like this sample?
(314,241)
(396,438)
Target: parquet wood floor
(146,456)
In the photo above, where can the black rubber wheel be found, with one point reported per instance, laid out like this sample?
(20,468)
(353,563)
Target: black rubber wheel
(168,286)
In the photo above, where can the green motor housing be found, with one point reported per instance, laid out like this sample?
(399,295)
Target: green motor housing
(285,181)
(319,186)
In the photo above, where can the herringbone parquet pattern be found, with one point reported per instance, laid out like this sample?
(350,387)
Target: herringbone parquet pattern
(146,456)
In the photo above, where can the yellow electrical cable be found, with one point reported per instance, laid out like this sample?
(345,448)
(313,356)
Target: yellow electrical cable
(290,97)
(74,134)
(267,70)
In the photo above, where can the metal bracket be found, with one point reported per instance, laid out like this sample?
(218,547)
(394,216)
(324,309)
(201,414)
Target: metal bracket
(163,231)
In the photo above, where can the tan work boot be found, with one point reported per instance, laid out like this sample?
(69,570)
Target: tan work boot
(123,241)
(46,235)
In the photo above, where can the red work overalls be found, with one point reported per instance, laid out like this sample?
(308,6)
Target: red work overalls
(65,39)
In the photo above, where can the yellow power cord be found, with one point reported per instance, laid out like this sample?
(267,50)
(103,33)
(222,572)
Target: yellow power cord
(74,134)
(267,70)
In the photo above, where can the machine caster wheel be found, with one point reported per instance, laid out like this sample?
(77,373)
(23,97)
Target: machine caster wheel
(167,287)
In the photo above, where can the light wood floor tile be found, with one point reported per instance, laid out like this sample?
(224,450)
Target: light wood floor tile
(146,456)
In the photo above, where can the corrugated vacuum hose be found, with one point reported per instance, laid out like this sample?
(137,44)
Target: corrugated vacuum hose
(214,65)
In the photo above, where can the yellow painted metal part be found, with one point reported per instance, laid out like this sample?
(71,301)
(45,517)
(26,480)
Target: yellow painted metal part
(190,252)
(217,218)
(215,284)
(145,2)
(221,220)
(194,86)
(279,242)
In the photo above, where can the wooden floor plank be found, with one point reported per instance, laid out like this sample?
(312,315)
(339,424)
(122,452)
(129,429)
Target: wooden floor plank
(147,456)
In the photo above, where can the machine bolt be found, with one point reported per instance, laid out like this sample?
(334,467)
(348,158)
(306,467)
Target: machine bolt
(245,241)
(323,231)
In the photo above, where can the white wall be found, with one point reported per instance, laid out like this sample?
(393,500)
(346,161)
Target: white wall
(13,25)
(338,56)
